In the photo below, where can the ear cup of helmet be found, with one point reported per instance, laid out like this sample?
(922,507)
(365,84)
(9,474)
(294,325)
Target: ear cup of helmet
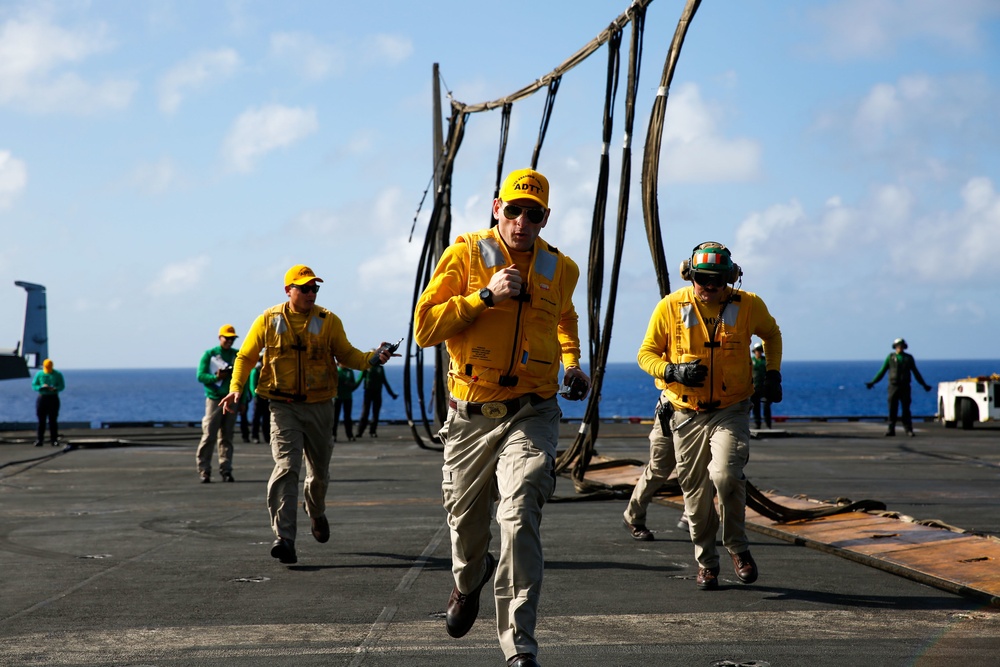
(686,270)
(735,274)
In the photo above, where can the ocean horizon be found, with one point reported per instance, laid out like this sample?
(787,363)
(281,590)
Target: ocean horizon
(811,388)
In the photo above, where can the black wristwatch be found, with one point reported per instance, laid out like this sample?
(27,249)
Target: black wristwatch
(487,296)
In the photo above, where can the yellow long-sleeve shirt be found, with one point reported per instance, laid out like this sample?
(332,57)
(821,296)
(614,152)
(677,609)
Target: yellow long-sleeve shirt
(683,329)
(518,341)
(300,350)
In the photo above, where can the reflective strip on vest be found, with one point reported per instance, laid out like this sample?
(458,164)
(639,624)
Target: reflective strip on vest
(279,324)
(688,316)
(491,253)
(315,325)
(730,313)
(545,265)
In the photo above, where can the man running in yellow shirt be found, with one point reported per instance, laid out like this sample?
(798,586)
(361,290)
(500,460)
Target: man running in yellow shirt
(302,343)
(502,300)
(696,348)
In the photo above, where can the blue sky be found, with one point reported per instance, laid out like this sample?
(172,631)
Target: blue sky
(162,163)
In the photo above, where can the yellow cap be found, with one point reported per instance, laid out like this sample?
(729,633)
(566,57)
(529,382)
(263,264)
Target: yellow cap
(526,184)
(300,274)
(227,330)
(47,365)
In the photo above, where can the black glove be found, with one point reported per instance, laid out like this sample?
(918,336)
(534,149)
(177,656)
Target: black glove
(869,384)
(772,386)
(574,389)
(691,374)
(927,387)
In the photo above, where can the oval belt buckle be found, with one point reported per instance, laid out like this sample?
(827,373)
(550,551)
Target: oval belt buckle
(494,409)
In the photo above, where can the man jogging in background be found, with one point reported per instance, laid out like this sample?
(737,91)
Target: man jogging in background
(696,348)
(302,344)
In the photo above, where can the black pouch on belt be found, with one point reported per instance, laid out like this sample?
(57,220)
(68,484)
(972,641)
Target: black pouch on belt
(664,411)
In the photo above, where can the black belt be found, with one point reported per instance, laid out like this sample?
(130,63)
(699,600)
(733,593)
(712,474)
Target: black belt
(496,409)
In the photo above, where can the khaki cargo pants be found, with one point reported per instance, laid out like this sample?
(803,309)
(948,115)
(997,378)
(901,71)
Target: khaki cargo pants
(216,429)
(297,429)
(509,461)
(712,450)
(654,475)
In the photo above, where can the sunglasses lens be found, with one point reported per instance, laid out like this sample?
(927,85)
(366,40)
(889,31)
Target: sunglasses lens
(709,279)
(513,212)
(308,288)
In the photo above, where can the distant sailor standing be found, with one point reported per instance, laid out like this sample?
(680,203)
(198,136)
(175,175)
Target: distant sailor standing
(759,362)
(48,383)
(214,371)
(900,365)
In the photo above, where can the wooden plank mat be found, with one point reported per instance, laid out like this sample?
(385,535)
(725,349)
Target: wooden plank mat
(960,563)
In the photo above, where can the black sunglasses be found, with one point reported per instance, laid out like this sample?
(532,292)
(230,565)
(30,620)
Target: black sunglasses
(709,279)
(513,212)
(306,289)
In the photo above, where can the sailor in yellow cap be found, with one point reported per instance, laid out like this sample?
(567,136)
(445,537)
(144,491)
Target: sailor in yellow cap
(302,343)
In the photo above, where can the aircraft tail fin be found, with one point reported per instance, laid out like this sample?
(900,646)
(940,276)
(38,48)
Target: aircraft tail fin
(35,341)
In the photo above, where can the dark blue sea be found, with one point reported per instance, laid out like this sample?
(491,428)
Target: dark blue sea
(811,388)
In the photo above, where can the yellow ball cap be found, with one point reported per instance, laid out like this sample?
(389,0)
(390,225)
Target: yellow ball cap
(300,274)
(526,184)
(227,330)
(47,365)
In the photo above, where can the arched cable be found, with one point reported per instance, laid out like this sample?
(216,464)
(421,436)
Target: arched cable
(582,450)
(504,133)
(651,154)
(441,218)
(595,266)
(550,102)
(435,240)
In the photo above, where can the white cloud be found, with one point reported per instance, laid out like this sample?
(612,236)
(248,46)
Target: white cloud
(922,127)
(199,70)
(155,177)
(693,149)
(389,49)
(13,178)
(886,237)
(34,56)
(759,230)
(392,261)
(180,276)
(259,131)
(959,245)
(317,224)
(313,59)
(891,108)
(866,28)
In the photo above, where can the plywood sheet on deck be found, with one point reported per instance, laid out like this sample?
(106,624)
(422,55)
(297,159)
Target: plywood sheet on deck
(957,562)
